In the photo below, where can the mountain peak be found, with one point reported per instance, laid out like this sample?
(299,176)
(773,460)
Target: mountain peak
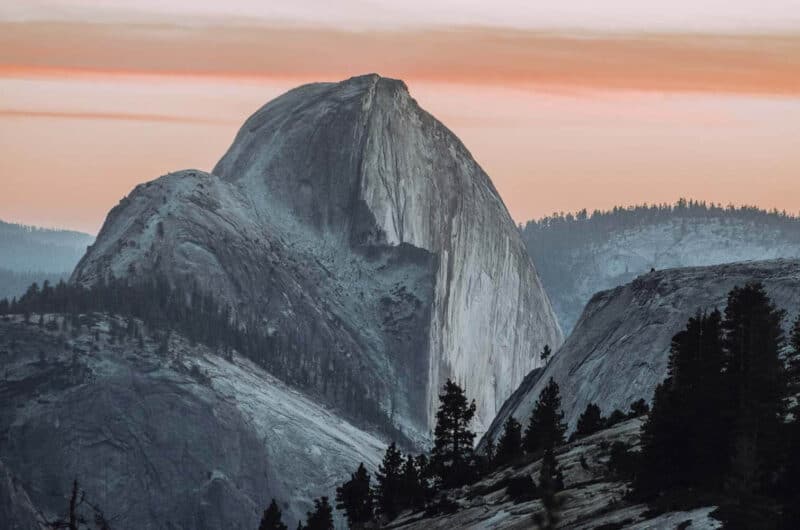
(345,214)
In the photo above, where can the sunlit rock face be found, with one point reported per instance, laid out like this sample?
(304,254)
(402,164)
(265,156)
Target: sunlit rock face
(346,216)
(619,349)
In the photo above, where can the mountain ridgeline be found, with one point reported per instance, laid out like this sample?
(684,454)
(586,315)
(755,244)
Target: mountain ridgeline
(31,254)
(580,254)
(619,351)
(349,223)
(346,257)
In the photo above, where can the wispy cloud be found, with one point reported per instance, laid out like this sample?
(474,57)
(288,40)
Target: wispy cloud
(747,64)
(123,116)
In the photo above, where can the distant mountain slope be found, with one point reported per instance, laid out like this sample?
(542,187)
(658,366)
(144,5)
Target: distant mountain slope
(30,254)
(160,435)
(619,349)
(29,248)
(579,255)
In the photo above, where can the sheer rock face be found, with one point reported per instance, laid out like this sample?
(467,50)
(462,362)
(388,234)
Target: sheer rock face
(619,350)
(347,215)
(182,440)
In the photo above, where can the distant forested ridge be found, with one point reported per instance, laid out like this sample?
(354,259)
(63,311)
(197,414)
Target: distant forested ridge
(579,254)
(28,248)
(30,254)
(14,283)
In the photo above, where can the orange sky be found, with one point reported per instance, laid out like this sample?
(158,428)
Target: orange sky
(559,120)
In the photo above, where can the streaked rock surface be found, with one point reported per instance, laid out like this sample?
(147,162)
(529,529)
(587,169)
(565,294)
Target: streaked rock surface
(182,440)
(619,350)
(345,213)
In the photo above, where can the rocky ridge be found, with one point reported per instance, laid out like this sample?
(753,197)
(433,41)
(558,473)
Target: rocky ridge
(619,349)
(181,439)
(356,227)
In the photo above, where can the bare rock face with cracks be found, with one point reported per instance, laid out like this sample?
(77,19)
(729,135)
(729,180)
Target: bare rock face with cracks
(358,229)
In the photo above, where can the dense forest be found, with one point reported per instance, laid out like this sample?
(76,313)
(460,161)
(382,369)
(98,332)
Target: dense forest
(163,308)
(577,255)
(570,229)
(14,283)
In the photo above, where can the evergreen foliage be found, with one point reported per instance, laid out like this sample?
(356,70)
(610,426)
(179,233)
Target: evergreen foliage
(546,426)
(717,422)
(638,408)
(684,440)
(164,307)
(551,481)
(452,458)
(546,352)
(754,370)
(509,447)
(590,421)
(354,497)
(412,492)
(272,518)
(321,518)
(389,483)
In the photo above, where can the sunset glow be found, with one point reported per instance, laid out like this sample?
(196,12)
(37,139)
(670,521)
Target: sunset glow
(94,101)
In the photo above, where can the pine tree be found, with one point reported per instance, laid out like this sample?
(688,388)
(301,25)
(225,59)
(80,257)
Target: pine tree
(412,492)
(271,520)
(546,426)
(753,340)
(354,497)
(509,447)
(546,352)
(389,482)
(452,457)
(489,455)
(638,408)
(551,481)
(659,439)
(590,421)
(684,440)
(322,516)
(425,477)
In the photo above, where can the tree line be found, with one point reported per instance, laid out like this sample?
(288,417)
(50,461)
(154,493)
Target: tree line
(718,434)
(165,307)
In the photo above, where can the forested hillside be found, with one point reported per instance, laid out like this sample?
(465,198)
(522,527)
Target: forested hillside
(580,254)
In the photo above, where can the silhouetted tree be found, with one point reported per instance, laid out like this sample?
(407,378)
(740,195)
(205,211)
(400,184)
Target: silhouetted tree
(271,520)
(509,446)
(321,518)
(551,481)
(489,455)
(389,482)
(354,497)
(753,340)
(546,426)
(615,417)
(590,421)
(546,352)
(684,440)
(412,489)
(638,408)
(452,458)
